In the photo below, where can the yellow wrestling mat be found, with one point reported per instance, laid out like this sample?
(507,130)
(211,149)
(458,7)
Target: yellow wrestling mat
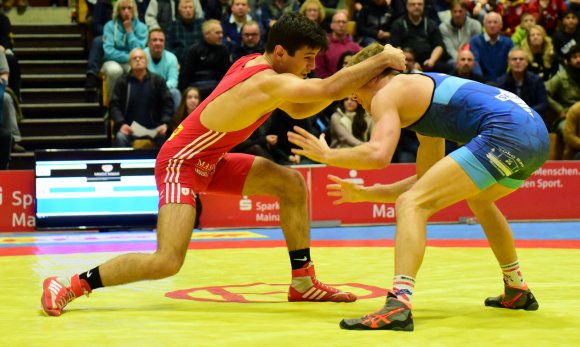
(237,297)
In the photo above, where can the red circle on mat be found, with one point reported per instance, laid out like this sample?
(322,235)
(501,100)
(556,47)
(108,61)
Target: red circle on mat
(262,292)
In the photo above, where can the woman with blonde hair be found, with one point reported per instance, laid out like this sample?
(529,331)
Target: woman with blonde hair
(313,10)
(540,52)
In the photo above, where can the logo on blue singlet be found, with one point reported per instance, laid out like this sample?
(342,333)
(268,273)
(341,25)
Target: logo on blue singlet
(504,95)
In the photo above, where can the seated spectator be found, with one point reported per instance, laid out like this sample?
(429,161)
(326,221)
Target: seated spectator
(281,124)
(260,143)
(232,24)
(458,30)
(161,13)
(417,31)
(313,10)
(512,15)
(491,48)
(121,35)
(5,135)
(10,105)
(572,133)
(102,13)
(411,65)
(523,83)
(482,7)
(206,62)
(163,63)
(350,125)
(568,36)
(521,31)
(141,105)
(564,90)
(6,42)
(373,23)
(540,52)
(339,41)
(190,99)
(251,41)
(271,10)
(216,9)
(547,13)
(185,31)
(465,65)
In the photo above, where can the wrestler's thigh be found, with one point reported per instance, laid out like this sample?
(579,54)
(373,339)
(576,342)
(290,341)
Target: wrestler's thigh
(268,178)
(444,184)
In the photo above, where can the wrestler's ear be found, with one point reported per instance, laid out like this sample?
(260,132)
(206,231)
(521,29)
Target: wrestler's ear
(279,52)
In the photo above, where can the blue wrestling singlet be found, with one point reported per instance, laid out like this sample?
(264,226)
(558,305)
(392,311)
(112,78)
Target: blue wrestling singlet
(505,140)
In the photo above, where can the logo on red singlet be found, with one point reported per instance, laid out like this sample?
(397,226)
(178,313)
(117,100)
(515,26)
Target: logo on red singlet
(204,169)
(175,132)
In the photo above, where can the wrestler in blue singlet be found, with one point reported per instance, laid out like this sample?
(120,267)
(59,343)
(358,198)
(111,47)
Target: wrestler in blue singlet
(505,140)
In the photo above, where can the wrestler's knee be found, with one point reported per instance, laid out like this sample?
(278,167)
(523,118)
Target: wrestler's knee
(298,190)
(166,265)
(412,202)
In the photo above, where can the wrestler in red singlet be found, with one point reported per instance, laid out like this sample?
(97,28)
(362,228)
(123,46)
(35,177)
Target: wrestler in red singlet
(195,158)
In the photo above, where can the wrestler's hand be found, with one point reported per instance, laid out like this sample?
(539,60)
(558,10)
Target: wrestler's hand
(345,190)
(395,57)
(310,146)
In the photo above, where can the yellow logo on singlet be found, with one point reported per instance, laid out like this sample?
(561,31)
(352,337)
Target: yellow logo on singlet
(175,132)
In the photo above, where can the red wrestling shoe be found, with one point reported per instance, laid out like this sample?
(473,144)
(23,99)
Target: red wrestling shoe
(57,292)
(305,287)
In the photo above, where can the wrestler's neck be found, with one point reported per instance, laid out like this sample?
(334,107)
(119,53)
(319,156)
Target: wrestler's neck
(263,59)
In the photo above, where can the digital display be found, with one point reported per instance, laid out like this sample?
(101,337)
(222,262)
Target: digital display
(102,188)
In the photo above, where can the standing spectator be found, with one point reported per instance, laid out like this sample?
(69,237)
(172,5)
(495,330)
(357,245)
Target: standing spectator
(185,31)
(232,24)
(564,89)
(206,62)
(568,36)
(140,101)
(121,34)
(465,66)
(251,41)
(521,31)
(339,41)
(547,13)
(373,23)
(163,62)
(422,34)
(161,13)
(540,52)
(350,125)
(523,83)
(457,31)
(572,133)
(491,48)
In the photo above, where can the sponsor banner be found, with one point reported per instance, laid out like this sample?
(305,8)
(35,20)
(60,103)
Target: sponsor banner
(17,201)
(552,192)
(227,211)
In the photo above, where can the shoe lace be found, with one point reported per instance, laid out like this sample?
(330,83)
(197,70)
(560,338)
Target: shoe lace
(67,297)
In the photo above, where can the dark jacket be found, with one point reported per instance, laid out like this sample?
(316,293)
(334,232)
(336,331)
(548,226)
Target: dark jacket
(533,91)
(204,62)
(160,105)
